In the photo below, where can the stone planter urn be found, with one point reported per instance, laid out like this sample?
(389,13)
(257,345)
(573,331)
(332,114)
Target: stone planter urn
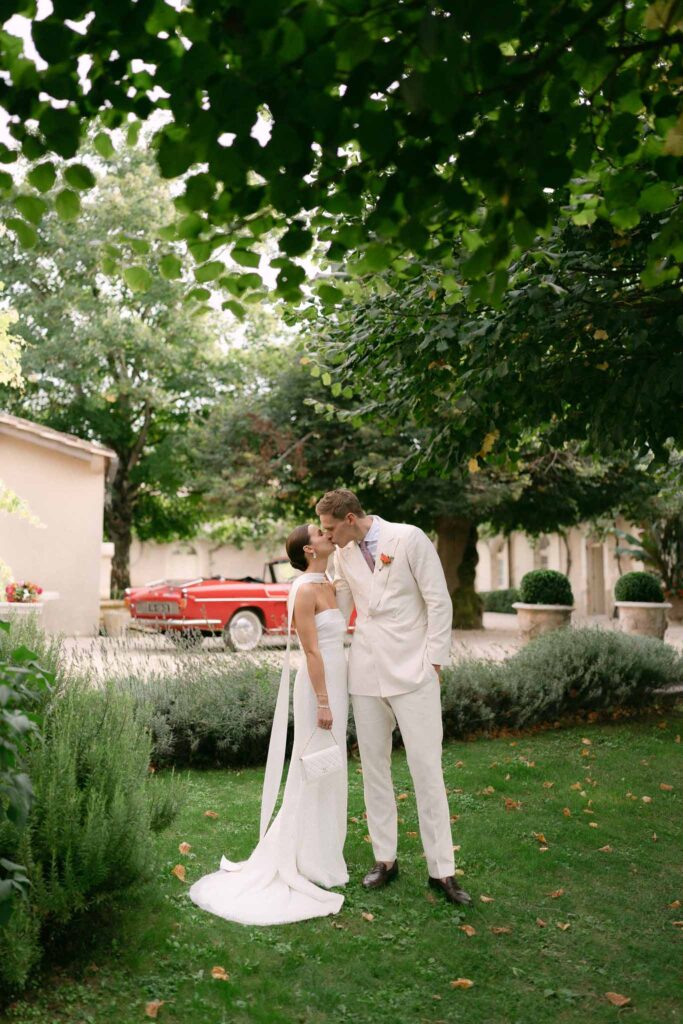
(643,618)
(676,607)
(536,619)
(114,617)
(20,610)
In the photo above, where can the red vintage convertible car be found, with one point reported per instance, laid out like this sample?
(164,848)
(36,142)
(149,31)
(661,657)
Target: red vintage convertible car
(242,610)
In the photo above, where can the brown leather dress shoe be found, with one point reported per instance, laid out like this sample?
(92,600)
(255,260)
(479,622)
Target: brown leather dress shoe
(451,890)
(380,875)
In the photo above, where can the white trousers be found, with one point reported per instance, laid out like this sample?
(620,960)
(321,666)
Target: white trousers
(418,715)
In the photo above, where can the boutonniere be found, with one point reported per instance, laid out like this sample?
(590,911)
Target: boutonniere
(385,560)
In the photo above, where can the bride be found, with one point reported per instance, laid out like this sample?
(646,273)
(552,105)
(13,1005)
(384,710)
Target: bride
(300,854)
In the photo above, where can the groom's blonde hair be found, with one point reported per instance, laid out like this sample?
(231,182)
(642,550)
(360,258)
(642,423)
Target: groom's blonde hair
(339,503)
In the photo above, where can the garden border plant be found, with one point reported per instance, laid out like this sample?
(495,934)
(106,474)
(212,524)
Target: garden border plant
(199,717)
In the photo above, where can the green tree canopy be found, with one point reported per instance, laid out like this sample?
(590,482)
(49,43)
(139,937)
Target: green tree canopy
(579,350)
(390,127)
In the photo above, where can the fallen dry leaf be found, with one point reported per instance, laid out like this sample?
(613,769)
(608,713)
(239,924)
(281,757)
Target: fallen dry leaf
(540,922)
(646,799)
(402,796)
(605,849)
(220,974)
(567,813)
(454,817)
(617,1000)
(677,740)
(665,787)
(210,814)
(462,983)
(592,824)
(512,805)
(459,872)
(539,837)
(486,899)
(543,849)
(548,785)
(179,872)
(456,849)
(412,835)
(675,905)
(575,785)
(677,924)
(556,894)
(501,931)
(508,777)
(356,821)
(459,764)
(367,916)
(564,927)
(468,930)
(152,1008)
(367,839)
(488,791)
(184,848)
(654,837)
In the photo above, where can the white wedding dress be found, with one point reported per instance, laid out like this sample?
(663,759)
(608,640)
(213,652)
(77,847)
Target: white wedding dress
(302,850)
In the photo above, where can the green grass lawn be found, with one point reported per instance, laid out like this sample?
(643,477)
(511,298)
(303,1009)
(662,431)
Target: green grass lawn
(618,932)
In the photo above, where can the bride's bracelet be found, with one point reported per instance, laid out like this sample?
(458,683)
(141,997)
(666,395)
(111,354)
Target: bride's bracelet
(326,706)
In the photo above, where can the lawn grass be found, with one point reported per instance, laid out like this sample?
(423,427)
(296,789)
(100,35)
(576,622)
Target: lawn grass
(397,967)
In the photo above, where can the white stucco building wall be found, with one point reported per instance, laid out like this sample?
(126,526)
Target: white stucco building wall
(588,560)
(62,478)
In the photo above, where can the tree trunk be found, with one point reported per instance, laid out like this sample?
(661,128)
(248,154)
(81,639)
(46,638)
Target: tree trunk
(457,547)
(119,524)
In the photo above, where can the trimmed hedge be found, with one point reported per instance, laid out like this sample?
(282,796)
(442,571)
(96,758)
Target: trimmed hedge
(500,600)
(545,586)
(639,586)
(203,718)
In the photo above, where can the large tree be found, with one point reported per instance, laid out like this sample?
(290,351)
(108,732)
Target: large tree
(271,454)
(124,361)
(579,350)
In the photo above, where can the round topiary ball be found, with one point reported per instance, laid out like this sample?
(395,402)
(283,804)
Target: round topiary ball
(545,586)
(638,586)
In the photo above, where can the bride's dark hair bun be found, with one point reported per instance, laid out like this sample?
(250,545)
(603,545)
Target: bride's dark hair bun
(294,547)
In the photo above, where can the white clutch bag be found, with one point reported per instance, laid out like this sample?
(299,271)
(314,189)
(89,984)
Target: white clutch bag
(321,763)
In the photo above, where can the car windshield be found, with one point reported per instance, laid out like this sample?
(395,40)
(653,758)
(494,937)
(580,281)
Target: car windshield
(283,572)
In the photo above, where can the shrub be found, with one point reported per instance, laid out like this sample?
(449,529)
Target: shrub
(24,689)
(545,586)
(201,716)
(638,586)
(89,834)
(500,600)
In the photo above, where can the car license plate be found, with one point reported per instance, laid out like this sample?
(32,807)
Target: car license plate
(157,608)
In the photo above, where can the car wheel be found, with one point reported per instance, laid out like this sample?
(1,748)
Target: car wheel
(185,639)
(243,632)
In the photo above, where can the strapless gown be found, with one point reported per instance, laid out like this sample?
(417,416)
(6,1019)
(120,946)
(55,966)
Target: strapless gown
(301,856)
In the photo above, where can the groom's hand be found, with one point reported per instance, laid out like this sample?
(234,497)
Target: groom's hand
(437,669)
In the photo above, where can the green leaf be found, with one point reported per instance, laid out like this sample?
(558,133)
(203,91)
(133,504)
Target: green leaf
(326,379)
(103,145)
(138,278)
(43,176)
(657,198)
(170,267)
(234,307)
(6,181)
(209,272)
(79,177)
(198,294)
(67,204)
(24,232)
(31,208)
(133,134)
(53,39)
(139,245)
(245,257)
(329,294)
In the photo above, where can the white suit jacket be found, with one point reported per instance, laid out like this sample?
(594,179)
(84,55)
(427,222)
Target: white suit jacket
(404,612)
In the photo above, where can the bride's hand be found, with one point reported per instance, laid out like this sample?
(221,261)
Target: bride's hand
(324,718)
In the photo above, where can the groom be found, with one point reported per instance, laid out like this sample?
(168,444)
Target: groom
(392,573)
